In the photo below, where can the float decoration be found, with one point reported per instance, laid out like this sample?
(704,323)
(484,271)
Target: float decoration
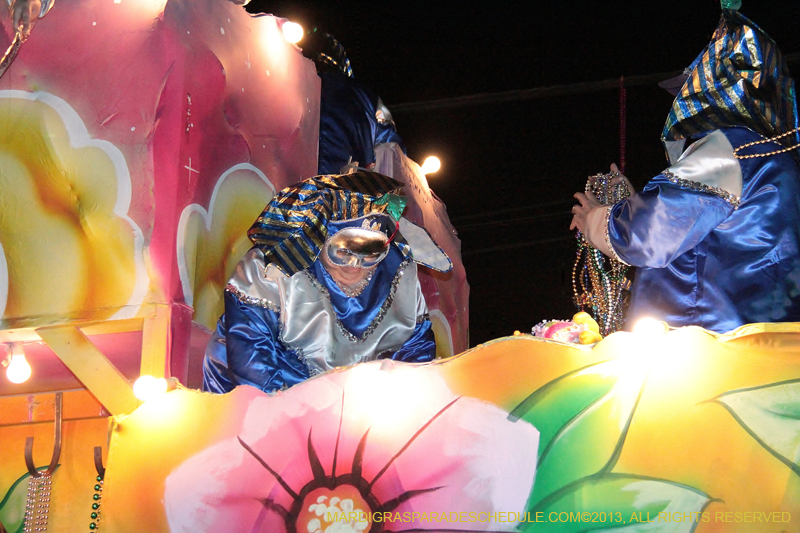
(164,125)
(582,329)
(447,295)
(119,117)
(634,434)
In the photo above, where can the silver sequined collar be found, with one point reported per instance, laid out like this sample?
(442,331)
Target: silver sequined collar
(381,312)
(252,300)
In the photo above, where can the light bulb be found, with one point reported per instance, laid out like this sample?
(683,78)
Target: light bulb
(650,326)
(431,164)
(148,387)
(18,370)
(292,32)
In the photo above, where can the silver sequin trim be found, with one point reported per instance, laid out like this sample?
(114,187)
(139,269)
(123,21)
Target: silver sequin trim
(252,300)
(266,304)
(695,186)
(298,352)
(386,354)
(423,318)
(381,313)
(608,239)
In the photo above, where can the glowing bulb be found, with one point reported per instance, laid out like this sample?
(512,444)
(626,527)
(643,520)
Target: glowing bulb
(148,387)
(18,370)
(431,164)
(650,326)
(389,397)
(292,32)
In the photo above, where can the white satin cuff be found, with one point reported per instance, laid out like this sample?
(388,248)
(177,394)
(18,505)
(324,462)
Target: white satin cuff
(597,229)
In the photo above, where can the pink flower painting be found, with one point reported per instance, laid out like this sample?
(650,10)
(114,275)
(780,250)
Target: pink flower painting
(377,447)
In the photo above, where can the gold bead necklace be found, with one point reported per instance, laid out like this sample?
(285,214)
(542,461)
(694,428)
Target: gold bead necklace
(762,141)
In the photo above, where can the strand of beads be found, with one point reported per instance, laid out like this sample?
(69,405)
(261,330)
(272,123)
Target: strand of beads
(94,525)
(30,504)
(762,141)
(596,287)
(579,298)
(37,505)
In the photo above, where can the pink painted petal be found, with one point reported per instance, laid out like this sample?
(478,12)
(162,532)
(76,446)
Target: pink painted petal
(481,461)
(419,437)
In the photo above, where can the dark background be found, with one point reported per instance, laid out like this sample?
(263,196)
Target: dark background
(513,156)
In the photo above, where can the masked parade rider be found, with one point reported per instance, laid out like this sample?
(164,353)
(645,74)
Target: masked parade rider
(331,281)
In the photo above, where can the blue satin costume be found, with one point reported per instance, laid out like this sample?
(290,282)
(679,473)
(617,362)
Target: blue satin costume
(349,126)
(352,119)
(286,319)
(247,347)
(704,262)
(716,236)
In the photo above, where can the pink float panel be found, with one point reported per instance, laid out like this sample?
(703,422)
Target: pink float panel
(121,120)
(447,294)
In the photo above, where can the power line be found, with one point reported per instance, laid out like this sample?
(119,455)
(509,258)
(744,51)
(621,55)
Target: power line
(529,94)
(508,221)
(541,92)
(525,244)
(506,211)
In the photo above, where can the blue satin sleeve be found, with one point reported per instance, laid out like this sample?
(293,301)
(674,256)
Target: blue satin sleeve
(385,133)
(348,127)
(216,377)
(662,222)
(420,348)
(253,353)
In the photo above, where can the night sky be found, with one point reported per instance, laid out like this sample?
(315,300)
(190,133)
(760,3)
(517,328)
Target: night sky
(512,162)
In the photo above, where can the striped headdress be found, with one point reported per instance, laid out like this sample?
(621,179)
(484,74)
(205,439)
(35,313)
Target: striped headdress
(740,79)
(294,225)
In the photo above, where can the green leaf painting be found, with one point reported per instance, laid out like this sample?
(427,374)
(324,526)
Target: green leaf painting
(12,506)
(583,418)
(619,503)
(771,414)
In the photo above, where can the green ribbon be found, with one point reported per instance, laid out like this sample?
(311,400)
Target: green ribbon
(395,205)
(732,5)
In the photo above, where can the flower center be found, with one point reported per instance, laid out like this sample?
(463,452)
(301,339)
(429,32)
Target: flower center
(340,510)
